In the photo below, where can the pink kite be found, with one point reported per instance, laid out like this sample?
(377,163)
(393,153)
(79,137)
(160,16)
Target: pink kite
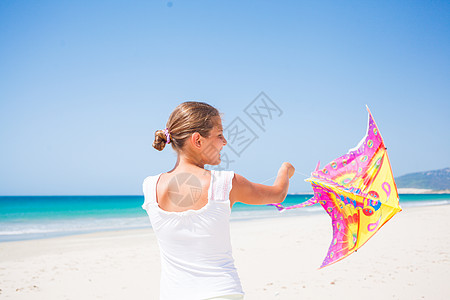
(358,192)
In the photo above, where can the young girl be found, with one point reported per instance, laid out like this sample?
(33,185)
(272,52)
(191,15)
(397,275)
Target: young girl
(189,207)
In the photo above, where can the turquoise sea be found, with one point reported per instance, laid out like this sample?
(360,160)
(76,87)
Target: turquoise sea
(34,217)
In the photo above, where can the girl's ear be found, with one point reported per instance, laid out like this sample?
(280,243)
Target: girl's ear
(196,140)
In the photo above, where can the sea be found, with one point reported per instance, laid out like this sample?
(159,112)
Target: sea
(37,217)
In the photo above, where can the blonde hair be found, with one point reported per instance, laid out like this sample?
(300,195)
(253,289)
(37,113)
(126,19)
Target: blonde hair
(186,118)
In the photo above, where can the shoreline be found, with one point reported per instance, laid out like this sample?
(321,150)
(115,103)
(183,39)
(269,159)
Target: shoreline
(277,258)
(236,216)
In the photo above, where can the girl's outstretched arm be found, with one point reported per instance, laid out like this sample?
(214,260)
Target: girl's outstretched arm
(248,192)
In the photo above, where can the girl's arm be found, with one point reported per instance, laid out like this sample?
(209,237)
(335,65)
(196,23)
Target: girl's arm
(254,193)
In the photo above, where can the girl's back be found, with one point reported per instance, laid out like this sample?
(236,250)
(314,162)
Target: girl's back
(196,255)
(183,190)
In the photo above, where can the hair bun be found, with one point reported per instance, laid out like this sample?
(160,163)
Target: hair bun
(160,140)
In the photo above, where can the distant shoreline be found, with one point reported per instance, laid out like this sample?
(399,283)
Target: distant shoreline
(421,191)
(400,191)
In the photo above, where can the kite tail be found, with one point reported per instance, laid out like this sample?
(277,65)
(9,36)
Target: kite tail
(278,206)
(281,208)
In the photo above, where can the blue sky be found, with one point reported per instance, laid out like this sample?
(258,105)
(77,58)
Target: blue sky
(84,85)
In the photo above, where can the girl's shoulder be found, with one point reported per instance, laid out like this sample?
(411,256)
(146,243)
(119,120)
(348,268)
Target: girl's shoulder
(207,176)
(151,179)
(222,183)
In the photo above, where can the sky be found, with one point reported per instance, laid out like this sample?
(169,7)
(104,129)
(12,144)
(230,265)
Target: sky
(85,84)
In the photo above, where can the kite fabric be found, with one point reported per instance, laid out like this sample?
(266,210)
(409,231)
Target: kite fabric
(358,191)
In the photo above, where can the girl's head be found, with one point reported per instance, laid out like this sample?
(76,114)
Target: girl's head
(192,124)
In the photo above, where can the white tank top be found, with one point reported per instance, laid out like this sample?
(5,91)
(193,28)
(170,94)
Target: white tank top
(195,247)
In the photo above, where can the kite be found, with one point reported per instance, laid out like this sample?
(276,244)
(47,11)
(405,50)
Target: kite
(358,192)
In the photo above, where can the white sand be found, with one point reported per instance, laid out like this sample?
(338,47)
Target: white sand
(409,258)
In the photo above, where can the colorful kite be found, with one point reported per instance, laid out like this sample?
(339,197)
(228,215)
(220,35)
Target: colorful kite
(358,191)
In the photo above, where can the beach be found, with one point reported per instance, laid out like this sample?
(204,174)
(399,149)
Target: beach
(277,258)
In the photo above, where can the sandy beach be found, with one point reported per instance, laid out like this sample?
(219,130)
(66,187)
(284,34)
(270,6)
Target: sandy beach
(409,258)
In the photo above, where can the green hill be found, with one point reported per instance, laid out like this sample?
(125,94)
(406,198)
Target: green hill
(434,180)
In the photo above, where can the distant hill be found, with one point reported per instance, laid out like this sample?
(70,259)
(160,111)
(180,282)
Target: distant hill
(433,180)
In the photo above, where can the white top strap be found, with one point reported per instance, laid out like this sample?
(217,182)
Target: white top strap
(222,182)
(149,189)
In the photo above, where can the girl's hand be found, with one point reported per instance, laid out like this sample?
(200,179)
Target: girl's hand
(290,168)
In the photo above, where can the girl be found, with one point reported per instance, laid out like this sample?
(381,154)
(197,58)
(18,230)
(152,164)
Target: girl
(189,207)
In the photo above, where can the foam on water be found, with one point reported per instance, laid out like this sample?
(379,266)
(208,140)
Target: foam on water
(11,231)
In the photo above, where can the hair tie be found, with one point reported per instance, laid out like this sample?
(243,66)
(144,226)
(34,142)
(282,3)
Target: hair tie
(166,131)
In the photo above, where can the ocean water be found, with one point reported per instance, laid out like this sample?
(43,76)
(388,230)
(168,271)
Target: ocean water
(34,217)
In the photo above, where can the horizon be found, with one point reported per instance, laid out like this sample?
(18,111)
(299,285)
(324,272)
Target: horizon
(402,191)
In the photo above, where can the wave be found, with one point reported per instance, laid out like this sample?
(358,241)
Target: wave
(24,230)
